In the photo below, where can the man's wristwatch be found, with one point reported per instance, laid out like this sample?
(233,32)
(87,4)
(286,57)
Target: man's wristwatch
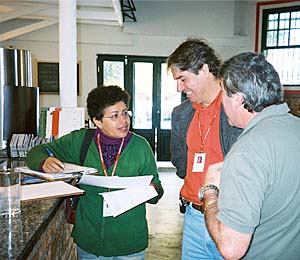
(205,188)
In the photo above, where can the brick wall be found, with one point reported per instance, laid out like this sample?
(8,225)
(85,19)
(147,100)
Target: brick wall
(56,242)
(293,101)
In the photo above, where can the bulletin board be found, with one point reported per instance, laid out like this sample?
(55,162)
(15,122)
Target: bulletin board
(47,77)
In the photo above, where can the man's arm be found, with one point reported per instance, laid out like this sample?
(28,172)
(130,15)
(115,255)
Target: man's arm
(232,244)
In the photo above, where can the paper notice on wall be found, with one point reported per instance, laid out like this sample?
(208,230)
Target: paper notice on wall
(62,120)
(70,119)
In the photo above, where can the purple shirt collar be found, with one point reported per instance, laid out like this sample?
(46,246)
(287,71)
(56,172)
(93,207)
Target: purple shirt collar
(110,146)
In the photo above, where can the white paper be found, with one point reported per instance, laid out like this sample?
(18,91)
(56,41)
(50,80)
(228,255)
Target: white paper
(48,190)
(48,130)
(70,118)
(106,210)
(70,168)
(67,172)
(123,200)
(135,190)
(116,182)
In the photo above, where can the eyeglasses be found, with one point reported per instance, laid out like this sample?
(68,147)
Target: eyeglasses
(125,114)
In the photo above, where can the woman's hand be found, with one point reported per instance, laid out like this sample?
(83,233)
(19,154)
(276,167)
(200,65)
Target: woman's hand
(52,165)
(154,185)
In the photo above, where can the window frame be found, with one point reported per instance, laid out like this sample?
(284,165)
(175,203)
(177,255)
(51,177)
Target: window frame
(260,39)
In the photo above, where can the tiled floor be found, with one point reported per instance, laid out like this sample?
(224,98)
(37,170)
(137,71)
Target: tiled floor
(165,221)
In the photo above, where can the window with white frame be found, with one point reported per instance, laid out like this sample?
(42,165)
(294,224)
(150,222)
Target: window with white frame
(281,42)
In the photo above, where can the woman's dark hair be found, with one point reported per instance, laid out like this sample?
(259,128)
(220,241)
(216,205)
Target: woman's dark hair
(192,54)
(104,96)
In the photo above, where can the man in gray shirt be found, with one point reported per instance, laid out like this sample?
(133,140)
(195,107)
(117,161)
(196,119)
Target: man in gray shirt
(257,212)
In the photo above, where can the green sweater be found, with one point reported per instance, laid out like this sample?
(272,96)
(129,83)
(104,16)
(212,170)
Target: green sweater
(98,235)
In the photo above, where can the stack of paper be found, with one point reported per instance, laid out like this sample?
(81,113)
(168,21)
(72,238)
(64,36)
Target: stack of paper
(134,191)
(68,172)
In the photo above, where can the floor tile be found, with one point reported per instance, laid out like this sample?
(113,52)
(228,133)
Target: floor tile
(165,221)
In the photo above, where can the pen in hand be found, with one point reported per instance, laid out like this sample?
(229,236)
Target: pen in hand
(53,165)
(49,152)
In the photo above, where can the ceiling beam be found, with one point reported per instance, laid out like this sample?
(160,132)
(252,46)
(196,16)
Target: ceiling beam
(7,13)
(46,21)
(118,11)
(95,15)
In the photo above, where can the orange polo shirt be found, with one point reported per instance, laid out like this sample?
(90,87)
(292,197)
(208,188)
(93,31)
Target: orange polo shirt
(193,181)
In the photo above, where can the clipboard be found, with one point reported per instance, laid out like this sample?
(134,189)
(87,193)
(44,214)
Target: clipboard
(70,171)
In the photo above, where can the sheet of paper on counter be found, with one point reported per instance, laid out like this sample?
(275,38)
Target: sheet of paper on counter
(48,190)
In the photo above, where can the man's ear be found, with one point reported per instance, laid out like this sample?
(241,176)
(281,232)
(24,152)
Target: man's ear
(239,100)
(205,69)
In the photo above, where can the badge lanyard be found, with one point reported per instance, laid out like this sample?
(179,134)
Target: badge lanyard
(102,160)
(199,158)
(106,210)
(207,132)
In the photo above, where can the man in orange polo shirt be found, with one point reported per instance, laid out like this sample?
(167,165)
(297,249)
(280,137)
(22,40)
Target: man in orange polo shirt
(199,129)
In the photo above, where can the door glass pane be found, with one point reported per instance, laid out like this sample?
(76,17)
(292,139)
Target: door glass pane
(169,97)
(113,73)
(142,100)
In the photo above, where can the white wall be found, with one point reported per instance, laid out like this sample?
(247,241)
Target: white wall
(161,25)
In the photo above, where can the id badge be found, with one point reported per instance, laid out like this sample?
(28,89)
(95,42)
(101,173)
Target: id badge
(199,162)
(106,210)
